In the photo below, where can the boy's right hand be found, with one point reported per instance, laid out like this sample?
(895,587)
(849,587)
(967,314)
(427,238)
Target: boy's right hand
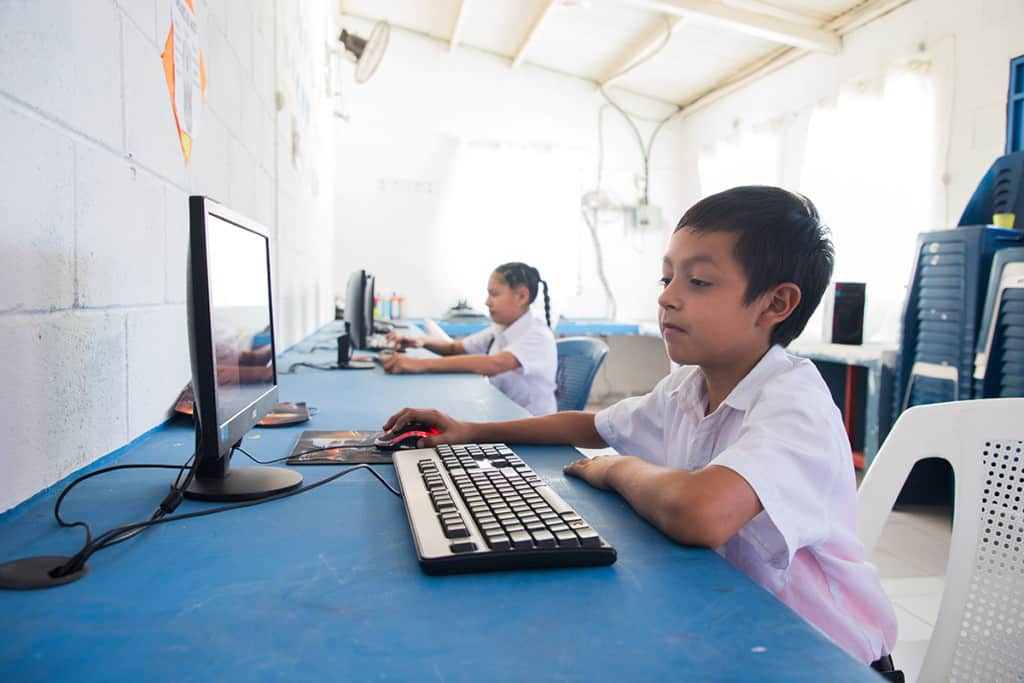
(402,342)
(449,429)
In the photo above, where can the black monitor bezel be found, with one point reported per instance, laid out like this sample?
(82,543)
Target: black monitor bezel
(369,283)
(355,308)
(215,436)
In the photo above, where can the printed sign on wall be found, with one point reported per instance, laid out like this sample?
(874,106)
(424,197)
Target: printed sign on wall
(183,68)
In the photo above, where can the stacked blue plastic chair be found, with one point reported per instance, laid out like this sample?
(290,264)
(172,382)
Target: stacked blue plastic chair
(944,306)
(999,361)
(946,297)
(943,311)
(579,359)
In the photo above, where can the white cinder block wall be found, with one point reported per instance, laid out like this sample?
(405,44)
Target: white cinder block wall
(94,207)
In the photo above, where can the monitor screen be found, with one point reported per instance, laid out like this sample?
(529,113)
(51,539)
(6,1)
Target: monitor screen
(231,344)
(240,312)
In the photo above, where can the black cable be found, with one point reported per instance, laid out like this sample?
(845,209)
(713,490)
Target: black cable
(291,368)
(102,541)
(317,450)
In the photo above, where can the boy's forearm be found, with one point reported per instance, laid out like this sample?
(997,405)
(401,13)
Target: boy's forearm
(573,428)
(665,497)
(442,347)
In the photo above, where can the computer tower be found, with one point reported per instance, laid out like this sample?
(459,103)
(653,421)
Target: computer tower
(847,322)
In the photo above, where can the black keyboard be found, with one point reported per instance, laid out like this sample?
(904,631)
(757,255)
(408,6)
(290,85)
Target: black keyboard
(479,507)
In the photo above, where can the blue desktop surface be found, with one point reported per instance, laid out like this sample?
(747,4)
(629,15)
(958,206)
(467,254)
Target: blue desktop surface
(565,327)
(325,585)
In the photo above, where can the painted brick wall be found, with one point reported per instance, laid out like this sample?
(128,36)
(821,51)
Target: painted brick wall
(93,207)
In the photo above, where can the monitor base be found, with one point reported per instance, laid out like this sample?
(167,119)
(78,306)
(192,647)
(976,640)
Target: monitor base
(244,483)
(31,573)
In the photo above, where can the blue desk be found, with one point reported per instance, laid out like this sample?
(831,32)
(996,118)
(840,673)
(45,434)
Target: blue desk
(325,585)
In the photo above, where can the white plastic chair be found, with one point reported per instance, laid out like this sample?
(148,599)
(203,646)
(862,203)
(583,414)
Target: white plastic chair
(979,635)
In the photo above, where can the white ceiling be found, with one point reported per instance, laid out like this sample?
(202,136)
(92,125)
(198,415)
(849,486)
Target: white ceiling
(715,45)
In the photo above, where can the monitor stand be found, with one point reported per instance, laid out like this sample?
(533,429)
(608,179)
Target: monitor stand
(243,483)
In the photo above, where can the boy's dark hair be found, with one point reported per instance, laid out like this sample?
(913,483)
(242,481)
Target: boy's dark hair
(780,239)
(516,274)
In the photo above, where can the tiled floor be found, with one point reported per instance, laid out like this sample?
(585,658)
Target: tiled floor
(911,559)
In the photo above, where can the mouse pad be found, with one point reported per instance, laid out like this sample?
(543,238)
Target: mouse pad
(337,448)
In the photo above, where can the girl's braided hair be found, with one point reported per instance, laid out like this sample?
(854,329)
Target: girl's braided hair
(516,274)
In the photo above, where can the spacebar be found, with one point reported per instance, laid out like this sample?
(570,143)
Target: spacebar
(553,499)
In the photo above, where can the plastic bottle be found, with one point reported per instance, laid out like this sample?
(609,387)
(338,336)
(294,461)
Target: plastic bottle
(396,306)
(385,309)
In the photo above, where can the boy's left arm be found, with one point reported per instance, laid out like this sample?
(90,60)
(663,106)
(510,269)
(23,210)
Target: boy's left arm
(703,508)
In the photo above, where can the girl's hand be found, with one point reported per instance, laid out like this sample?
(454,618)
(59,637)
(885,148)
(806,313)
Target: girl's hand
(398,364)
(402,342)
(595,471)
(449,430)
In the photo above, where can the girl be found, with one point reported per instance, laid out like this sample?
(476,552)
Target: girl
(517,352)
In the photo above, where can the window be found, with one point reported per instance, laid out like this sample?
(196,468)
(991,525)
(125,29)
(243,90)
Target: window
(1015,107)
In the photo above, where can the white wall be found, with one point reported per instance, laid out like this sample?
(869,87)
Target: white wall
(964,48)
(94,207)
(451,163)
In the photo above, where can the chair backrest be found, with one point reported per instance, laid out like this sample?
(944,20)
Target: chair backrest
(980,628)
(999,360)
(943,310)
(578,361)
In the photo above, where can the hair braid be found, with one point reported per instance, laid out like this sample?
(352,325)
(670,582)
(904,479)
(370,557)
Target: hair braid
(547,303)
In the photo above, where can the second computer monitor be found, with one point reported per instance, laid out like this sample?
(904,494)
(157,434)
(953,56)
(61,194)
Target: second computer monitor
(359,323)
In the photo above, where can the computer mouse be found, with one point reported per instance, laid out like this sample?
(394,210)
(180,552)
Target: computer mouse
(404,438)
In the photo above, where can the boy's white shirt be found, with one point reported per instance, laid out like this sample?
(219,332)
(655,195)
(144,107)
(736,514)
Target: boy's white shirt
(532,384)
(781,431)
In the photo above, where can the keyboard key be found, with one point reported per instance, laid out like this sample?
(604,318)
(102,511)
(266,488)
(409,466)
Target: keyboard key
(499,542)
(543,538)
(462,546)
(567,539)
(521,540)
(456,531)
(588,537)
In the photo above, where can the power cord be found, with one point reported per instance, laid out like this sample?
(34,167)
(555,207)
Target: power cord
(163,512)
(317,450)
(303,364)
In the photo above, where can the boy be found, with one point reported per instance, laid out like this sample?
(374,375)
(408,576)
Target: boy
(741,449)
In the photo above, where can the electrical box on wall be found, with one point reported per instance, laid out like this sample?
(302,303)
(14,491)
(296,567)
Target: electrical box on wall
(646,217)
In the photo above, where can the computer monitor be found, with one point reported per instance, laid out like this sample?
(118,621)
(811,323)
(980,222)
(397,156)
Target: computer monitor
(359,318)
(368,305)
(235,382)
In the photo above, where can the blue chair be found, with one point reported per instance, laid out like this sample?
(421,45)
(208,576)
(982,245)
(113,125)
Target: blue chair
(999,360)
(578,361)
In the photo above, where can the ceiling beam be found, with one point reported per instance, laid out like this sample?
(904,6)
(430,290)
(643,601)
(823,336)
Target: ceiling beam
(545,11)
(460,19)
(752,23)
(637,49)
(843,24)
